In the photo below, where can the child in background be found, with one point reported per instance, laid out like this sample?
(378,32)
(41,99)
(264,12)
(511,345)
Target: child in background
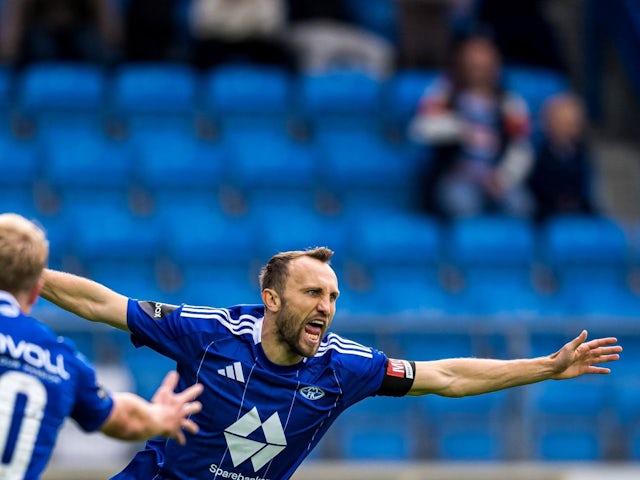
(560,180)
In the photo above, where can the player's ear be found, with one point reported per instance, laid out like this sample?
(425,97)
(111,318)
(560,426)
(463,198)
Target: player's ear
(271,300)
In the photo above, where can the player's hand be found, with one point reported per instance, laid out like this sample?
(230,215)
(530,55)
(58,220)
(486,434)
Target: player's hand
(175,409)
(579,357)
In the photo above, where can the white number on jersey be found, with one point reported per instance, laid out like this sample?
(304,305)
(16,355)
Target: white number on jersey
(11,385)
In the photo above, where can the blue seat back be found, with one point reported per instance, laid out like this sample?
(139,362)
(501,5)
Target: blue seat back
(339,99)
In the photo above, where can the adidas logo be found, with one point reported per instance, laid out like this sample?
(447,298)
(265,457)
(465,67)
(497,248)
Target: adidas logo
(243,448)
(233,372)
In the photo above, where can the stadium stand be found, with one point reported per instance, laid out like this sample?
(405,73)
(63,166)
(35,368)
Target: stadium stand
(568,420)
(59,95)
(339,100)
(146,215)
(403,93)
(240,97)
(152,95)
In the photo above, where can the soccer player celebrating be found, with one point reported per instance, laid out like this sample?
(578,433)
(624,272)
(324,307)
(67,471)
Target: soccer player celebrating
(43,379)
(275,379)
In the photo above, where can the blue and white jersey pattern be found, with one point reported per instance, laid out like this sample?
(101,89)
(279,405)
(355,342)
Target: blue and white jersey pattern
(43,380)
(259,419)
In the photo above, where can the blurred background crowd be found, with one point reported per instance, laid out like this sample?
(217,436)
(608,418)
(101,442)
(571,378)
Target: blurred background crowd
(474,163)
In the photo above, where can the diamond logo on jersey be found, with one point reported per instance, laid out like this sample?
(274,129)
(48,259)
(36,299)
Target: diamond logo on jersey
(233,372)
(243,448)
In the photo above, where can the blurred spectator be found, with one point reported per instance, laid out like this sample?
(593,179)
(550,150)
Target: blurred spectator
(239,30)
(150,29)
(561,177)
(323,37)
(62,30)
(522,32)
(479,133)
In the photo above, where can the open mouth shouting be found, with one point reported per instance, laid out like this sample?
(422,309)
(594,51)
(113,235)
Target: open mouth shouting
(314,330)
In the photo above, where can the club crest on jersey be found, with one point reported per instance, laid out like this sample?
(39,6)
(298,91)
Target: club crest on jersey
(312,392)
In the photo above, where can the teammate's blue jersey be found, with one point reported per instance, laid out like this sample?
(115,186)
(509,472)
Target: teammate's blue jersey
(43,380)
(259,420)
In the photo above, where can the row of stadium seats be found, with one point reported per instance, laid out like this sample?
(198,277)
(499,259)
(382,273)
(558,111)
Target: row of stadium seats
(233,96)
(388,260)
(80,160)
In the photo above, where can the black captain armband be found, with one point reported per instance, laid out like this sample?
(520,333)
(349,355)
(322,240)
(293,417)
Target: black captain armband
(398,378)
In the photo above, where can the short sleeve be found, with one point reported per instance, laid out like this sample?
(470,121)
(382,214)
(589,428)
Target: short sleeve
(157,325)
(93,404)
(360,369)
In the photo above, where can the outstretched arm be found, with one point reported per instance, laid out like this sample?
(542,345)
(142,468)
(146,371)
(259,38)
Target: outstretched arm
(133,418)
(85,298)
(459,377)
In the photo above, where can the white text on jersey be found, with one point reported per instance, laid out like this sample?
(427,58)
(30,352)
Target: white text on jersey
(33,354)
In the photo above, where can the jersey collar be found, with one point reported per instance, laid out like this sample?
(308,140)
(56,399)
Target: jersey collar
(9,306)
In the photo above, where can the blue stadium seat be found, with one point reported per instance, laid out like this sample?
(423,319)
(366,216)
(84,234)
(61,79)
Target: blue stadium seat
(434,345)
(265,164)
(502,300)
(18,162)
(403,94)
(567,419)
(495,256)
(578,245)
(201,233)
(492,249)
(59,237)
(467,428)
(611,302)
(18,200)
(378,428)
(176,159)
(108,230)
(135,278)
(82,158)
(248,96)
(399,253)
(471,443)
(304,228)
(396,237)
(410,297)
(626,370)
(360,168)
(155,95)
(570,443)
(218,285)
(62,93)
(626,398)
(590,254)
(339,100)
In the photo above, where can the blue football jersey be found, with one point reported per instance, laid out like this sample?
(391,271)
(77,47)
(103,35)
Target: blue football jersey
(259,420)
(43,380)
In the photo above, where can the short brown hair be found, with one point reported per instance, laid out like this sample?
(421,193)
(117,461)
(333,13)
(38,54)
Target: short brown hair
(274,273)
(24,250)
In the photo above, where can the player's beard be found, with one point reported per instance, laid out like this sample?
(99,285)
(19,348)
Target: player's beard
(291,330)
